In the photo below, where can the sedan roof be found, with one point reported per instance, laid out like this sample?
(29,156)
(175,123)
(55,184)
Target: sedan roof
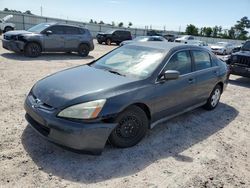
(165,46)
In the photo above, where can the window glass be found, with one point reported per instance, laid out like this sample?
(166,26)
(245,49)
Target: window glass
(181,62)
(202,60)
(57,29)
(131,61)
(71,30)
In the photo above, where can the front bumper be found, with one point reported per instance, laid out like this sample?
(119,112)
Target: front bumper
(77,136)
(240,71)
(12,45)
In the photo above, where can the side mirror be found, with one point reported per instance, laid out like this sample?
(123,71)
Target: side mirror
(49,32)
(171,75)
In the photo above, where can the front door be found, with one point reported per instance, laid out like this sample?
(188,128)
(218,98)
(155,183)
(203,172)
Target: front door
(173,96)
(55,40)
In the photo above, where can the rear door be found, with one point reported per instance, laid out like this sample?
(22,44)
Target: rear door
(174,96)
(206,74)
(73,37)
(54,41)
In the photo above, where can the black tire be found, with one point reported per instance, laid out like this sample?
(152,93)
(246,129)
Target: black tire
(118,43)
(132,127)
(214,98)
(108,42)
(83,50)
(6,29)
(32,49)
(99,42)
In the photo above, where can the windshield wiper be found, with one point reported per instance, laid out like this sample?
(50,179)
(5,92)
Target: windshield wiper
(115,72)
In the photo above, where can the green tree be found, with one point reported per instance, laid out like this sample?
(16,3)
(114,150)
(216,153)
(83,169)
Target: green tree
(208,31)
(101,22)
(130,24)
(91,21)
(113,23)
(191,30)
(120,24)
(28,12)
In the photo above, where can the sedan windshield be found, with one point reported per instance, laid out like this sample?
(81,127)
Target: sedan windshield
(221,44)
(131,61)
(142,39)
(39,28)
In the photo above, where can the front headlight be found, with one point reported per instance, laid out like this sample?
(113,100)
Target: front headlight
(88,110)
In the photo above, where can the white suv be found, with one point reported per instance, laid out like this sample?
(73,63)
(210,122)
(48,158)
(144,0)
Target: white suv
(5,26)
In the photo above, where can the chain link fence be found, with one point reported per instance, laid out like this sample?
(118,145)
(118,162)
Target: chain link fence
(25,21)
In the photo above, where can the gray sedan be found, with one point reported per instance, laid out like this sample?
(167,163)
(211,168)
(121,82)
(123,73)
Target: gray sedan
(124,93)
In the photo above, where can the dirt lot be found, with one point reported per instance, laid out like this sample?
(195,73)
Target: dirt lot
(198,149)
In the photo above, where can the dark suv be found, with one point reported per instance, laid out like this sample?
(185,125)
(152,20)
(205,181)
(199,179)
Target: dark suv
(239,62)
(113,36)
(49,37)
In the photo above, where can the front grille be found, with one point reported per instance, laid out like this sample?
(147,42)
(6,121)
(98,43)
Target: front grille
(243,61)
(10,37)
(42,104)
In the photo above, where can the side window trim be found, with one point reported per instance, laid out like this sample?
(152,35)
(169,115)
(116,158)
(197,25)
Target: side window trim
(192,64)
(193,60)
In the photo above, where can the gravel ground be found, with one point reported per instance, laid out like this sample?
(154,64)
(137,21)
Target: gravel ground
(197,149)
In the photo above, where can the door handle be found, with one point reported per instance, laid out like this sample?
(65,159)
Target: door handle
(191,80)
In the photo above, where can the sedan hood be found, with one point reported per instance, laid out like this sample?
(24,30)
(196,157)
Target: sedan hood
(242,53)
(17,32)
(58,89)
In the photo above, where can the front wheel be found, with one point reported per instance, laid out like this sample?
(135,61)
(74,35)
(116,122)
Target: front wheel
(132,127)
(108,42)
(214,98)
(32,50)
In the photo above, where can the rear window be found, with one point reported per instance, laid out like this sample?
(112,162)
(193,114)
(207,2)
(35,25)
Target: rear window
(124,33)
(202,60)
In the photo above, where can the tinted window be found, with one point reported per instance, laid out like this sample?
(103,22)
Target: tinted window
(57,29)
(202,60)
(123,33)
(191,38)
(71,30)
(181,62)
(157,39)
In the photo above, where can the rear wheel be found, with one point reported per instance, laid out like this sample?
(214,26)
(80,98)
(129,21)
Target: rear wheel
(32,49)
(83,50)
(108,42)
(214,98)
(132,127)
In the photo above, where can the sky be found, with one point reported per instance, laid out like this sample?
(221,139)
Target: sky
(171,14)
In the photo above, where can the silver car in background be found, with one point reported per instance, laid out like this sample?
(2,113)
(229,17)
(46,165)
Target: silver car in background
(49,37)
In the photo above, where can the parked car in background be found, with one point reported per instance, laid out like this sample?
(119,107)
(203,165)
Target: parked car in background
(239,62)
(202,44)
(123,94)
(6,26)
(169,37)
(187,39)
(144,39)
(222,48)
(154,33)
(113,36)
(49,37)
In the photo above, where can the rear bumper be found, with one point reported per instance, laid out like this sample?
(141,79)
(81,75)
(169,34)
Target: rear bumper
(16,46)
(241,71)
(77,136)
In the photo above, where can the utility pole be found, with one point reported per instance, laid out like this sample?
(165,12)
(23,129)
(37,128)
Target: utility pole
(41,10)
